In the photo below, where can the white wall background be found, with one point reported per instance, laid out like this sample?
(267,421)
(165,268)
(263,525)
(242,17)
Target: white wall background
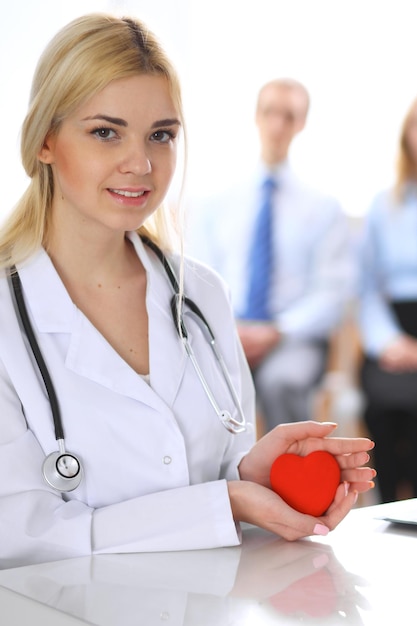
(357,57)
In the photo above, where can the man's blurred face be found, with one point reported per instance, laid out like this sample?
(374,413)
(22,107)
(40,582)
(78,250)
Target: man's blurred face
(280,115)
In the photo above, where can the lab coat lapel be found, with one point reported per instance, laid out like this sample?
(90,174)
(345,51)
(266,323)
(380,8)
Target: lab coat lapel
(89,354)
(167,355)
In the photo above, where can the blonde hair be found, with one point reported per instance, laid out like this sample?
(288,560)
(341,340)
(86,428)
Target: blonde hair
(82,58)
(406,167)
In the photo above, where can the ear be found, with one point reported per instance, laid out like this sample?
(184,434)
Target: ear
(46,153)
(300,124)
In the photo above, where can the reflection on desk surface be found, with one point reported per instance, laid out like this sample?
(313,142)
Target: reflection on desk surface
(265,581)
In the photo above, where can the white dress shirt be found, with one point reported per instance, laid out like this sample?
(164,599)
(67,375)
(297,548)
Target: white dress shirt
(314,272)
(155,456)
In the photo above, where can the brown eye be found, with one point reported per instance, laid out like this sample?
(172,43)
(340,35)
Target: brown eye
(104,133)
(162,136)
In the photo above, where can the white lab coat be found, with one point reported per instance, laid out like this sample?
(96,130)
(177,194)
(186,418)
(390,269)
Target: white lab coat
(155,457)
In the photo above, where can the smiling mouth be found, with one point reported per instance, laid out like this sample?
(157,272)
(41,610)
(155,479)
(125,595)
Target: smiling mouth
(128,194)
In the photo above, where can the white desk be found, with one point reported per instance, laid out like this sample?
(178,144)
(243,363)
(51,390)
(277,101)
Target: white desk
(363,573)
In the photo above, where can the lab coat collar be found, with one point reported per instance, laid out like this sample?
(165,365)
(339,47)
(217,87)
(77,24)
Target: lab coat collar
(89,354)
(46,297)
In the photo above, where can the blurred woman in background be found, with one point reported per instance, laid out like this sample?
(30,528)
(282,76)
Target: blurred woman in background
(388,323)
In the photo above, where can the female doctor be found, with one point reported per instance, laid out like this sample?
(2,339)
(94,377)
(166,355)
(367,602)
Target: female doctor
(121,429)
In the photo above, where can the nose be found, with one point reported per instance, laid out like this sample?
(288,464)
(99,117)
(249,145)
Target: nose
(135,159)
(278,122)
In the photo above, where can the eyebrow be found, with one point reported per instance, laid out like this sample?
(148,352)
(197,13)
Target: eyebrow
(107,118)
(167,122)
(118,121)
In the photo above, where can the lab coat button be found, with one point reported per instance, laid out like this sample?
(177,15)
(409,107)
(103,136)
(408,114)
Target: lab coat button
(164,616)
(167,460)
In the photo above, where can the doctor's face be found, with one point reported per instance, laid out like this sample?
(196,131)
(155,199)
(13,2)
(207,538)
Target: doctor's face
(114,157)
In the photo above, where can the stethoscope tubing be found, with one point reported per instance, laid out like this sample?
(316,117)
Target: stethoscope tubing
(20,301)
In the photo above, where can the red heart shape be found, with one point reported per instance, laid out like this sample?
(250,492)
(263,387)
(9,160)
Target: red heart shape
(307,483)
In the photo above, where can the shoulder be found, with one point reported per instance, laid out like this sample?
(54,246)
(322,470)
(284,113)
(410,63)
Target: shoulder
(5,290)
(9,324)
(382,204)
(199,275)
(310,198)
(205,285)
(204,288)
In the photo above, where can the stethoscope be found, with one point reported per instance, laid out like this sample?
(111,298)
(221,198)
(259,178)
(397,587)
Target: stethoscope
(63,470)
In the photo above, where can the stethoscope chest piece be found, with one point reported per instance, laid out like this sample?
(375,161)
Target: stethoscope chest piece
(62,471)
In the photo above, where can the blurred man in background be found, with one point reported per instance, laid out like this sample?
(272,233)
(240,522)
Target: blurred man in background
(284,250)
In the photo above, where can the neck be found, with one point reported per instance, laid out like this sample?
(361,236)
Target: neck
(273,159)
(86,259)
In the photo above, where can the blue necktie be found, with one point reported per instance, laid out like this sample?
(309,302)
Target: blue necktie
(261,258)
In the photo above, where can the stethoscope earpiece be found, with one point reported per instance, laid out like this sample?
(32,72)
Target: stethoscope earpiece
(231,424)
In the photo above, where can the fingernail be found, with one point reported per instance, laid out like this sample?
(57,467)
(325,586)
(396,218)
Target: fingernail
(372,484)
(320,529)
(347,485)
(320,561)
(356,497)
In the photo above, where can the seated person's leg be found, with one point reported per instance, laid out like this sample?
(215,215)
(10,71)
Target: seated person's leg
(390,414)
(285,379)
(409,454)
(383,428)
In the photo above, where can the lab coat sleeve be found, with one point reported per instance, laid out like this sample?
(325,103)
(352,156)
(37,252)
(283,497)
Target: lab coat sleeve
(34,523)
(196,516)
(37,525)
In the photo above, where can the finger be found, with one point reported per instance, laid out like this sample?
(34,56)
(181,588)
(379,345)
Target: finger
(294,533)
(292,433)
(293,525)
(359,474)
(341,506)
(341,493)
(347,445)
(350,461)
(362,487)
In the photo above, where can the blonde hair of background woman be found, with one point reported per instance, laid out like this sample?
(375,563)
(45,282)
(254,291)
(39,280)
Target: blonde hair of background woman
(80,61)
(406,164)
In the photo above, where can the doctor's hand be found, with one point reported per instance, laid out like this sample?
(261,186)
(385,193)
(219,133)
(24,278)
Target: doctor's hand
(302,438)
(262,507)
(253,501)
